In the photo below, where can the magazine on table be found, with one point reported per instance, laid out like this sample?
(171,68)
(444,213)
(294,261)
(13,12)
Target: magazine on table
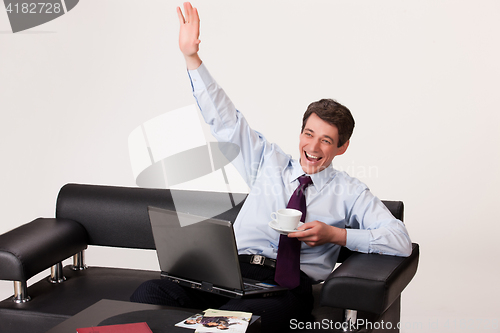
(191,322)
(217,321)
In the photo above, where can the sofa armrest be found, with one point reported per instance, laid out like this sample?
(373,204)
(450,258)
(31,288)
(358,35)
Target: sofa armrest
(38,245)
(369,282)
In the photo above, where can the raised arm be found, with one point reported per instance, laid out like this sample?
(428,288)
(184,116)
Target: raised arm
(188,35)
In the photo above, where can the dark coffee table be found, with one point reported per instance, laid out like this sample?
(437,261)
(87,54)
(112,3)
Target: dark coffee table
(161,319)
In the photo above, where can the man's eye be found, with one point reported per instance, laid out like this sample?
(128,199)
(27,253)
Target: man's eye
(327,142)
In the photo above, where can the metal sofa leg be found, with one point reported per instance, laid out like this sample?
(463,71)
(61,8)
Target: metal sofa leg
(79,261)
(56,273)
(350,317)
(21,292)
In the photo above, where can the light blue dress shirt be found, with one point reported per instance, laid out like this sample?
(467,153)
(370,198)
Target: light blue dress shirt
(334,197)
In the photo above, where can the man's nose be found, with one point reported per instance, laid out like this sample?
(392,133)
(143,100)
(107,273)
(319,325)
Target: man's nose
(315,145)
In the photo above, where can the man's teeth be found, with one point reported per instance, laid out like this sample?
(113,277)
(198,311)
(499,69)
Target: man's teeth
(311,156)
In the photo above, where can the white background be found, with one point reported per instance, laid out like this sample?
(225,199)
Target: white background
(420,77)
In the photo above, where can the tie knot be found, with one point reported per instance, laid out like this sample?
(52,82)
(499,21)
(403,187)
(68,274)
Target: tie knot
(305,180)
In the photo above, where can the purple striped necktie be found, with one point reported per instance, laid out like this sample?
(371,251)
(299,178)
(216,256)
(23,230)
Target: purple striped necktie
(288,261)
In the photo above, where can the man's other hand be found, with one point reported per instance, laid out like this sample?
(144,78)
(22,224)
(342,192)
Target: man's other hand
(318,233)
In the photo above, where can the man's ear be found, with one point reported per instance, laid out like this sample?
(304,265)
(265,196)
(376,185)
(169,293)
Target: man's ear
(343,148)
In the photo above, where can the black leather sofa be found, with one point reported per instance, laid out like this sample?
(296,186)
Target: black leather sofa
(368,286)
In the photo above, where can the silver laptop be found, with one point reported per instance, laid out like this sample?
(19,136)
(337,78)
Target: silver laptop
(202,255)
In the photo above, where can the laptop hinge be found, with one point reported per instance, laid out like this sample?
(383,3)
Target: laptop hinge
(207,286)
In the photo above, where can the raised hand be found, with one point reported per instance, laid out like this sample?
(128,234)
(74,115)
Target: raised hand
(189,35)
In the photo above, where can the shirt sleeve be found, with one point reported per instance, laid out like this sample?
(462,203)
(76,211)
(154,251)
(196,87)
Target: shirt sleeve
(217,109)
(375,230)
(228,124)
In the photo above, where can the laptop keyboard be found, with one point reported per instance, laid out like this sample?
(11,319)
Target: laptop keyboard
(250,287)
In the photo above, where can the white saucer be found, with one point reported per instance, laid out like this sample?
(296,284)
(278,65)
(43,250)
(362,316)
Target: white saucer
(273,224)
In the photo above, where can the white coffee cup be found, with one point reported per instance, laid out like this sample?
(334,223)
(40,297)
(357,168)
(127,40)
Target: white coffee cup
(287,218)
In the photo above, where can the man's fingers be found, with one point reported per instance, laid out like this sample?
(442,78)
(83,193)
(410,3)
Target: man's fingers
(181,17)
(190,14)
(295,234)
(195,14)
(188,9)
(184,18)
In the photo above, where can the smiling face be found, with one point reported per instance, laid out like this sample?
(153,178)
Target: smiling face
(318,145)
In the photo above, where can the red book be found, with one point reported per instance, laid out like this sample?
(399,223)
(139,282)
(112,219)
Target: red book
(123,328)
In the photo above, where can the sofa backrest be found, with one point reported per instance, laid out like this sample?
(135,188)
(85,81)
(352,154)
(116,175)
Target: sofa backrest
(117,216)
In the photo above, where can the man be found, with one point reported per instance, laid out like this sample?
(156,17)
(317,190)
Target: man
(333,201)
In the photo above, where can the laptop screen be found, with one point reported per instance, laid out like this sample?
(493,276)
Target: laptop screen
(202,252)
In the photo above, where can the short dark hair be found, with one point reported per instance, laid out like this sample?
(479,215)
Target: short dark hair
(333,113)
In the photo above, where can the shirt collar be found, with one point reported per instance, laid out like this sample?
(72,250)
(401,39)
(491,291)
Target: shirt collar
(320,179)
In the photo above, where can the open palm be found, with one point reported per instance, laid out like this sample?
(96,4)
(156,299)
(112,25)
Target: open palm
(189,30)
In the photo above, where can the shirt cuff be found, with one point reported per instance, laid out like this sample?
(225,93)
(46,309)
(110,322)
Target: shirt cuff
(200,77)
(358,240)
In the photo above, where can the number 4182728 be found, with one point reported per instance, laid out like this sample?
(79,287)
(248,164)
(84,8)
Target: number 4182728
(34,8)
